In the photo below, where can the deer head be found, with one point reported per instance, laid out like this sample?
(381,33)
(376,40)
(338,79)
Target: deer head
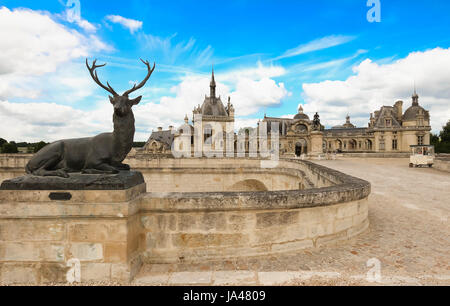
(122,103)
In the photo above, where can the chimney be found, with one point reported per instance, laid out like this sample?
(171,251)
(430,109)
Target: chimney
(399,106)
(159,128)
(170,127)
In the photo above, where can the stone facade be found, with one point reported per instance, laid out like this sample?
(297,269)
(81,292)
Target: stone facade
(389,131)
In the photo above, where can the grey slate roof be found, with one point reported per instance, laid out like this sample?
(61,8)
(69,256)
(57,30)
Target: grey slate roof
(386,112)
(213,107)
(165,137)
(412,112)
(301,116)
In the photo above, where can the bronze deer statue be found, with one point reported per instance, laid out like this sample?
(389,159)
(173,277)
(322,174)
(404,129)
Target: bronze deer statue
(101,154)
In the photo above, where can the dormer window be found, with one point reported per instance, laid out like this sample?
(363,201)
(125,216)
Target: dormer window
(388,122)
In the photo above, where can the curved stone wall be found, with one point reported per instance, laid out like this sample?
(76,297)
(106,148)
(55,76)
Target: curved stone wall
(196,226)
(442,163)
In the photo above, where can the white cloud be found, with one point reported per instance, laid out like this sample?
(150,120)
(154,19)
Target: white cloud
(257,73)
(50,121)
(374,85)
(36,55)
(329,65)
(245,122)
(169,52)
(251,95)
(131,24)
(72,16)
(317,44)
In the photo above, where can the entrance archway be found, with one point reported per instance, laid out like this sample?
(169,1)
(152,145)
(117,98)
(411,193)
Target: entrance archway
(249,185)
(301,147)
(339,145)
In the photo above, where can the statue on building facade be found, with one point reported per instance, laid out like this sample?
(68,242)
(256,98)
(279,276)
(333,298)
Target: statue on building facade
(316,122)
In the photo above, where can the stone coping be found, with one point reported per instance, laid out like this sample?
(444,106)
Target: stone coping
(347,188)
(77,181)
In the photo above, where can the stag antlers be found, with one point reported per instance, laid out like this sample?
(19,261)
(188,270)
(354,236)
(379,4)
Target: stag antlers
(108,88)
(149,73)
(95,77)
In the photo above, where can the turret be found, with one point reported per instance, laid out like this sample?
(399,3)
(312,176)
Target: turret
(230,108)
(415,99)
(212,86)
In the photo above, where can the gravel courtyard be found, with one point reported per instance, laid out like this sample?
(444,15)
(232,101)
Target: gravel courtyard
(409,236)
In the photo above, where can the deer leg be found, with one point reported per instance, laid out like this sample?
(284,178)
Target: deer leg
(121,166)
(49,164)
(101,169)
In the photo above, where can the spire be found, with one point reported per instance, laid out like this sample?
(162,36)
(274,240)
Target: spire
(415,97)
(212,85)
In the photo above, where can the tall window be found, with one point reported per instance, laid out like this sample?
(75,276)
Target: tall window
(382,144)
(394,144)
(420,140)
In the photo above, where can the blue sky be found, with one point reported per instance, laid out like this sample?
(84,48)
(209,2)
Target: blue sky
(269,56)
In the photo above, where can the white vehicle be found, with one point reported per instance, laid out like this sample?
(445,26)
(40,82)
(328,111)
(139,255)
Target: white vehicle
(421,156)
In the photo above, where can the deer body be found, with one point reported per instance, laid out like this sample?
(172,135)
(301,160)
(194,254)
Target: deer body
(103,153)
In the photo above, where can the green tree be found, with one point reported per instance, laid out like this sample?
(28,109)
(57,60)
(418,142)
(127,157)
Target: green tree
(138,144)
(39,146)
(445,133)
(9,147)
(434,140)
(2,141)
(442,143)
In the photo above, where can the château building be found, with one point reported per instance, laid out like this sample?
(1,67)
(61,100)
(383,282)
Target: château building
(389,130)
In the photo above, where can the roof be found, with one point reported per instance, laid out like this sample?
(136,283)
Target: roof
(213,107)
(354,130)
(412,112)
(386,112)
(165,137)
(301,116)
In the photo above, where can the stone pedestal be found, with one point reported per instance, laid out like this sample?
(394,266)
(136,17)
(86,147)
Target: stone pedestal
(84,225)
(316,143)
